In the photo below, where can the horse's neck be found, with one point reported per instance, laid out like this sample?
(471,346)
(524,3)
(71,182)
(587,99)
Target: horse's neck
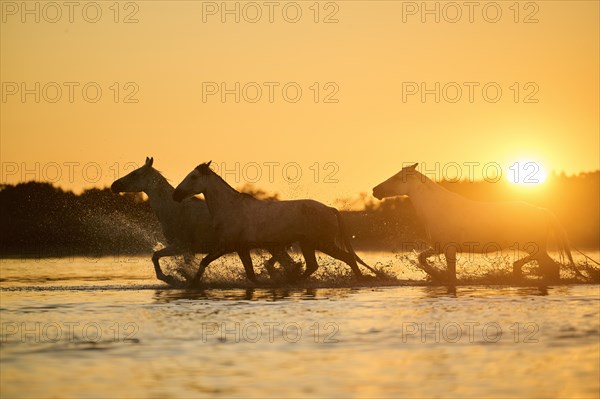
(430,201)
(160,196)
(220,197)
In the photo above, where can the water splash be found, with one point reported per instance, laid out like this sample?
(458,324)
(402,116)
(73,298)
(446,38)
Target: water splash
(497,269)
(400,269)
(127,232)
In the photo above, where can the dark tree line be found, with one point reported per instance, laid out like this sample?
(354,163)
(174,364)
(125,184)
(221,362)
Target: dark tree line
(39,219)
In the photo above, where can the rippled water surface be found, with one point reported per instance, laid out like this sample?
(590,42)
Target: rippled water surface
(107,328)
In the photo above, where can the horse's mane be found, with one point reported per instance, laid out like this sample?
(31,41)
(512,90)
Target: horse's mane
(210,171)
(159,174)
(431,185)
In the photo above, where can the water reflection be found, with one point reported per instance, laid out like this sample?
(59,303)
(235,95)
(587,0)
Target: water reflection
(168,295)
(490,291)
(440,291)
(249,294)
(535,291)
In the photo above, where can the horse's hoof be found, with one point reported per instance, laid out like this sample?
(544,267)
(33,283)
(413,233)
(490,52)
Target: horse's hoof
(172,281)
(290,279)
(164,278)
(551,278)
(380,275)
(441,278)
(550,274)
(195,283)
(292,275)
(434,277)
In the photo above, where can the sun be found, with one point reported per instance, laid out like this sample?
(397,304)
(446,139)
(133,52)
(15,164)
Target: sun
(526,173)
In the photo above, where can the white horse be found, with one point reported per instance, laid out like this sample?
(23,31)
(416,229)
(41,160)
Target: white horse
(243,222)
(186,225)
(456,224)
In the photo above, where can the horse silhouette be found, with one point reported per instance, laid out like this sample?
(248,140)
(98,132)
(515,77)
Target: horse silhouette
(456,224)
(186,225)
(243,222)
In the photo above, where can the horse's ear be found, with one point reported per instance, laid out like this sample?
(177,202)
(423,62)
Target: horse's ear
(204,168)
(149,161)
(413,167)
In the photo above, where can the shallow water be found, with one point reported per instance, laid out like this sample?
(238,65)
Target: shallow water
(106,328)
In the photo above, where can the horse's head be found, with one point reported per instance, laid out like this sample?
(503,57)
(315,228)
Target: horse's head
(136,181)
(194,183)
(399,184)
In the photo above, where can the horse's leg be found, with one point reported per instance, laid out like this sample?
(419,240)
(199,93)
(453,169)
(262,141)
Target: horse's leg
(434,274)
(518,266)
(308,251)
(167,251)
(215,254)
(450,254)
(292,268)
(246,259)
(337,253)
(270,264)
(550,269)
(280,254)
(188,259)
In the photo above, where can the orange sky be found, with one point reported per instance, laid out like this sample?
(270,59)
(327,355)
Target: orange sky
(368,56)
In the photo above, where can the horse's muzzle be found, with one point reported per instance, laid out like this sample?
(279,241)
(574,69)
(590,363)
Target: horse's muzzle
(116,187)
(377,194)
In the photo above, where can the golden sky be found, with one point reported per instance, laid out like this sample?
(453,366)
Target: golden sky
(366,56)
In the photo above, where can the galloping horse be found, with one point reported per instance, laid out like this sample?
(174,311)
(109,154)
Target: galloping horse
(186,225)
(456,224)
(243,222)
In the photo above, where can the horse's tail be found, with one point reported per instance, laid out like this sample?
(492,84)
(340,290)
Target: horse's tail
(561,238)
(563,242)
(347,244)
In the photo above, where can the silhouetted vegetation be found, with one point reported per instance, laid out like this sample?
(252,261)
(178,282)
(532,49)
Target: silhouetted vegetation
(39,219)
